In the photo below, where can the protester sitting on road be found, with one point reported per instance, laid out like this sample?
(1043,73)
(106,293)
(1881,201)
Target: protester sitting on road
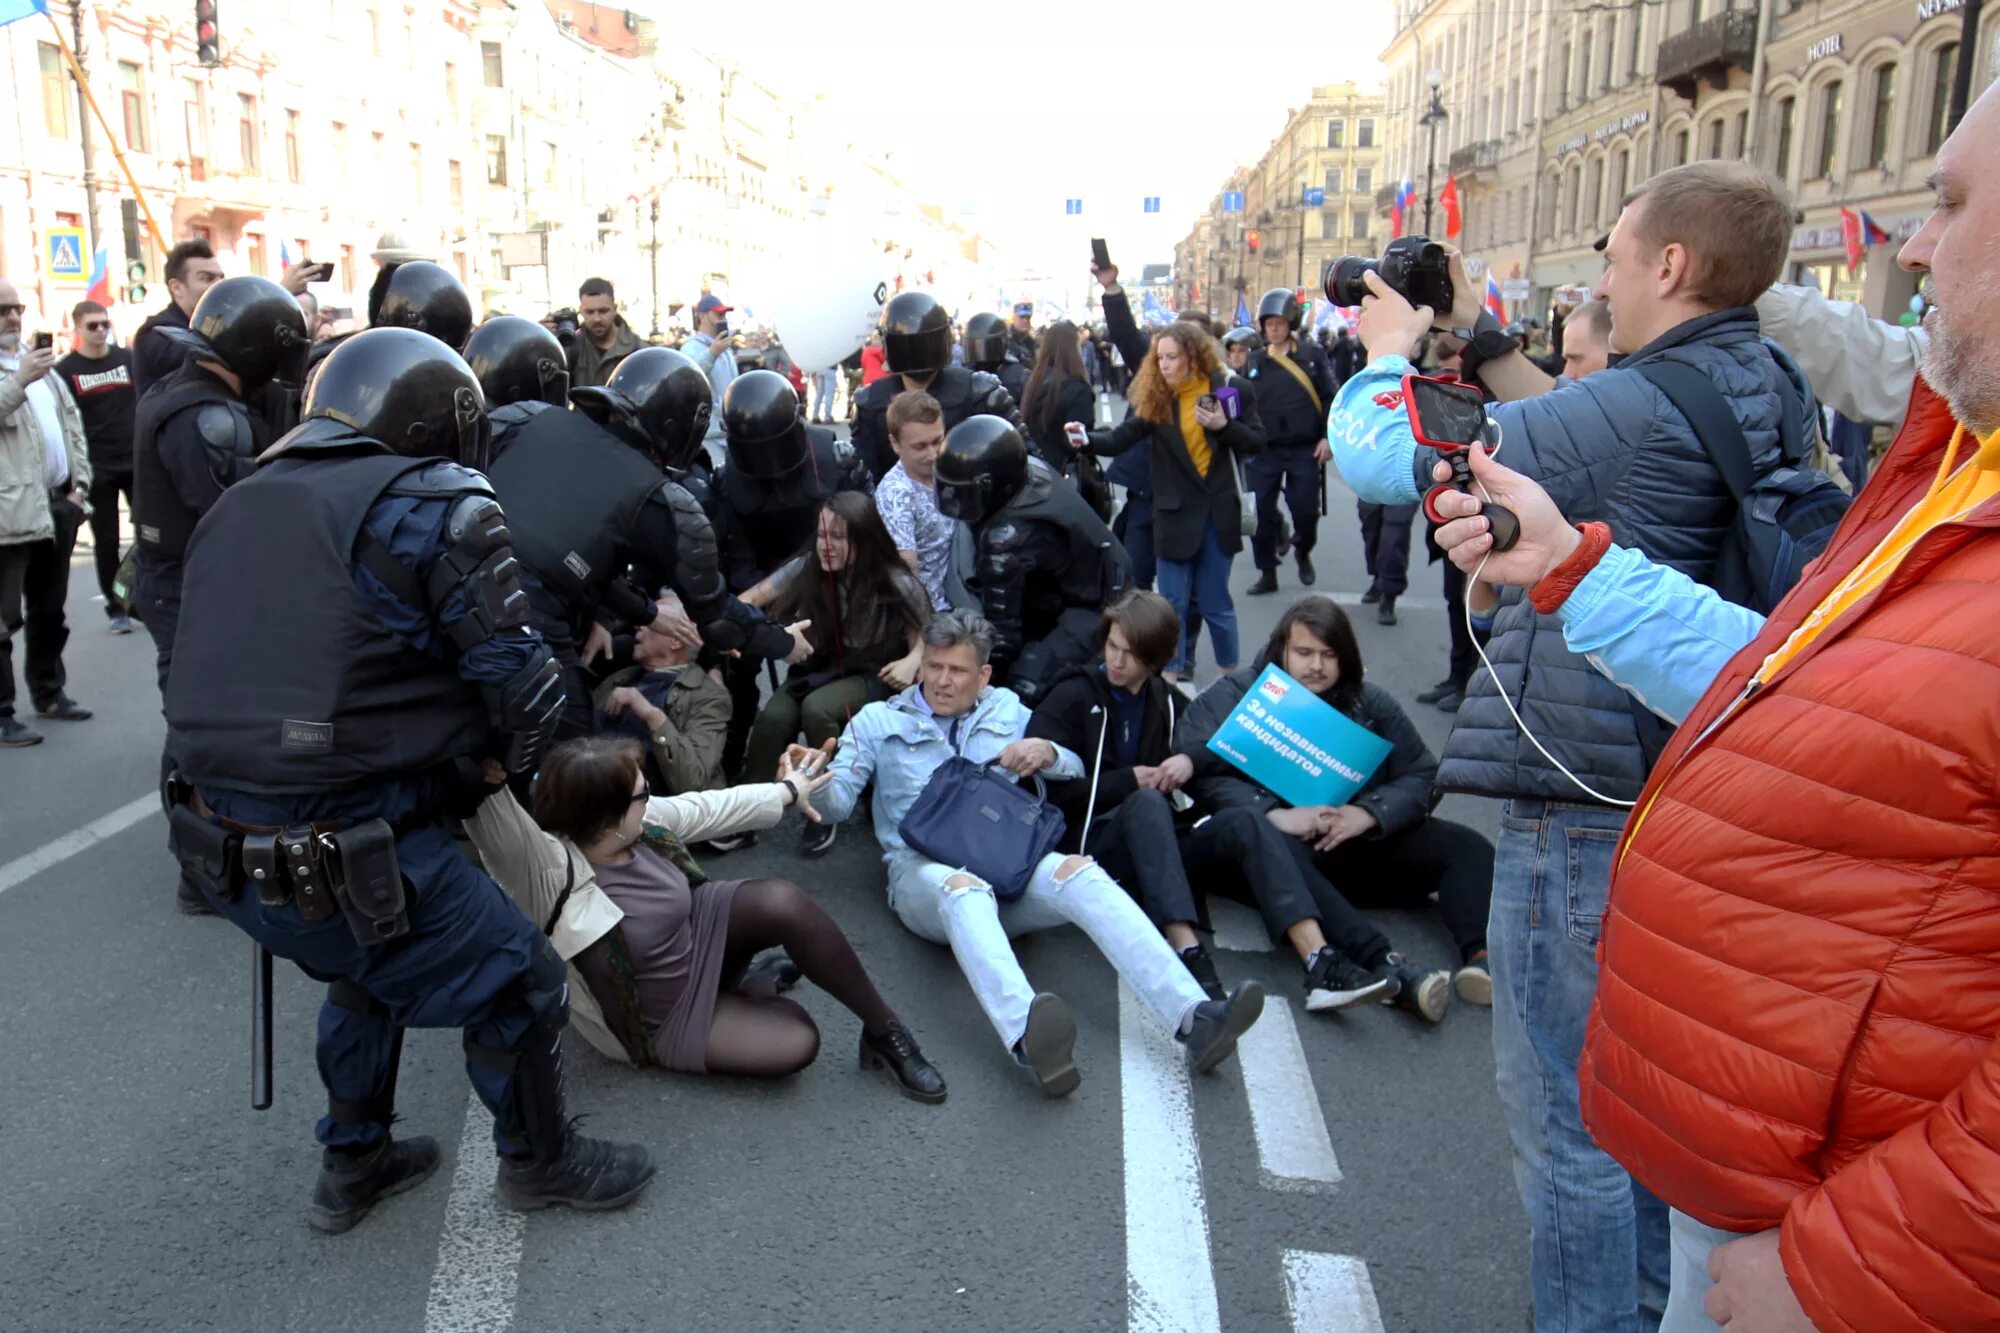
(1195,446)
(1383,848)
(671,706)
(1792,1041)
(899,743)
(906,496)
(864,610)
(660,955)
(1057,394)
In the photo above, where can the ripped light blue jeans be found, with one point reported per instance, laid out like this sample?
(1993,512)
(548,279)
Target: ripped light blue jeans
(978,926)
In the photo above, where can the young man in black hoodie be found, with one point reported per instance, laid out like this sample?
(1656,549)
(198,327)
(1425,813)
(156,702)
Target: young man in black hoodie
(1123,719)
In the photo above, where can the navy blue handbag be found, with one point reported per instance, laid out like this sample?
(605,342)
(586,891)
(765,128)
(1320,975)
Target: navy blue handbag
(971,817)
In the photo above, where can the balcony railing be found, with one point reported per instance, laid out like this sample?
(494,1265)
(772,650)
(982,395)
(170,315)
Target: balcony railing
(1710,49)
(1385,198)
(1475,157)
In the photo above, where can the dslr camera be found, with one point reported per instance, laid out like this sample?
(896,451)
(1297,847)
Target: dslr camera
(563,323)
(1415,267)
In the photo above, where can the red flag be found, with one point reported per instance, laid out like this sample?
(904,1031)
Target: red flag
(1448,200)
(1850,232)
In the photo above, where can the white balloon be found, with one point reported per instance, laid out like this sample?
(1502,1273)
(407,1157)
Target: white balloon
(827,297)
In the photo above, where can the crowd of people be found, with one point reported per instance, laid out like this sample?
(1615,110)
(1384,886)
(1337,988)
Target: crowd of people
(615,610)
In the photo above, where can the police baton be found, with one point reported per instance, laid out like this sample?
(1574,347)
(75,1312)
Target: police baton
(260,1027)
(1322,490)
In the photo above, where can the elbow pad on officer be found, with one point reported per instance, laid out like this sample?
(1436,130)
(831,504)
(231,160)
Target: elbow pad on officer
(525,709)
(479,555)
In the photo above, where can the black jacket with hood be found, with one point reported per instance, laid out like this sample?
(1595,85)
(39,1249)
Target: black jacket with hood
(1076,714)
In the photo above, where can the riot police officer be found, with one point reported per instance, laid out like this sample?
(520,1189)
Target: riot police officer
(916,340)
(195,435)
(1032,556)
(988,348)
(354,662)
(1294,387)
(596,523)
(766,504)
(410,294)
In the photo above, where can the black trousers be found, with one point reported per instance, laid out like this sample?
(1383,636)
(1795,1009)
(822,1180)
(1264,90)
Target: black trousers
(1287,467)
(1240,854)
(105,489)
(1405,869)
(746,698)
(1138,846)
(1385,545)
(34,584)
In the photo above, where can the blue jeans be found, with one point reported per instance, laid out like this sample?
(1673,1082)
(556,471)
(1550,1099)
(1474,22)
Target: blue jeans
(1200,588)
(822,399)
(1600,1254)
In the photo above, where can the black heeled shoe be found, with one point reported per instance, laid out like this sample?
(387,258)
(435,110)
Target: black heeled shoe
(896,1053)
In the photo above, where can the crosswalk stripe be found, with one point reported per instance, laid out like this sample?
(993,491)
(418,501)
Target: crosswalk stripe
(26,867)
(1330,1293)
(1169,1276)
(1292,1140)
(479,1255)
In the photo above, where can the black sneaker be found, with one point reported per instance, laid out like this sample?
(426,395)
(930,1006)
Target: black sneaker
(1307,575)
(1335,981)
(1438,691)
(1218,1023)
(1424,992)
(120,623)
(15,736)
(590,1174)
(1372,596)
(817,839)
(1385,614)
(351,1185)
(1452,702)
(1202,968)
(896,1054)
(1048,1047)
(724,846)
(63,709)
(1267,582)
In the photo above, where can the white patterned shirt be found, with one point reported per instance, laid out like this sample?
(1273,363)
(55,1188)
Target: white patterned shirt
(909,510)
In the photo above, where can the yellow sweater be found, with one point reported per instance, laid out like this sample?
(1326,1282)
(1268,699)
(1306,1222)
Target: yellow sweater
(1192,434)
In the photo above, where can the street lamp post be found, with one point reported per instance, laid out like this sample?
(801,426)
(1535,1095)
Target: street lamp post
(655,265)
(1432,118)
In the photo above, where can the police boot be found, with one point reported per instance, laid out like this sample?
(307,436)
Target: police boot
(563,1166)
(350,1184)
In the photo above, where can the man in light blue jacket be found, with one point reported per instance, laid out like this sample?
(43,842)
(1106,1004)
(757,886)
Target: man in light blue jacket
(954,710)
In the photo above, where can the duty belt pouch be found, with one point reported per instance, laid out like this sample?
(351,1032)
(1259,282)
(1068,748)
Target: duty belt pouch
(311,890)
(260,863)
(207,852)
(367,881)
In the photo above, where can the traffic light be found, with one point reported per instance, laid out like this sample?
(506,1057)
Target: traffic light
(1253,239)
(207,35)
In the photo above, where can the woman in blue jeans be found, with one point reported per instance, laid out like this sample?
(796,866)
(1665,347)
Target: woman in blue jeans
(1198,422)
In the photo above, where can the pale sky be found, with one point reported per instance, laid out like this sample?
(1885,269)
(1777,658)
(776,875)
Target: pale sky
(1014,106)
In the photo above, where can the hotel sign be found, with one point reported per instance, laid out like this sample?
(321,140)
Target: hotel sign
(1603,132)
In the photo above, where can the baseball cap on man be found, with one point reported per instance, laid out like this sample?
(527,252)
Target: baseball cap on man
(711,304)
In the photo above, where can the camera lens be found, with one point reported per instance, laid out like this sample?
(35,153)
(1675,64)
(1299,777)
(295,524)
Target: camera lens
(1344,285)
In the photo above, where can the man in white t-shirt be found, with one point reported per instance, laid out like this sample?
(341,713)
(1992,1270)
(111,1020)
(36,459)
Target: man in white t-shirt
(907,493)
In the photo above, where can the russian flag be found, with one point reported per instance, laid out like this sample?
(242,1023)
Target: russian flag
(1493,301)
(1871,230)
(1404,192)
(100,277)
(288,254)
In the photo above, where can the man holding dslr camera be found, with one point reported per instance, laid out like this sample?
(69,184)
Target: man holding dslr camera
(1692,251)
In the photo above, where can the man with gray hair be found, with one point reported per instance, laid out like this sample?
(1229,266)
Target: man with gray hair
(954,709)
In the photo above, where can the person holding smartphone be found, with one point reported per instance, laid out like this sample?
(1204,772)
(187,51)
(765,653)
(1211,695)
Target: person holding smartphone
(98,376)
(44,477)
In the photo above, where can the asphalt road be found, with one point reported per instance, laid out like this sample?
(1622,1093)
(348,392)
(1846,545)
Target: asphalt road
(1348,1165)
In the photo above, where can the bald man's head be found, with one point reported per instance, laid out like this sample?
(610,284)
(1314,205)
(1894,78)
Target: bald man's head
(1958,252)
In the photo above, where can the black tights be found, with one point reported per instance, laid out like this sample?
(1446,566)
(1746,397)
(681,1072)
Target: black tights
(771,1037)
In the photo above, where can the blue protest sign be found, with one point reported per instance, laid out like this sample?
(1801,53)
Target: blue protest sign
(1232,201)
(1290,741)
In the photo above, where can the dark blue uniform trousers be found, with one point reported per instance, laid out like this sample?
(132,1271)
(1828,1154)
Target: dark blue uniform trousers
(1289,467)
(471,960)
(1385,545)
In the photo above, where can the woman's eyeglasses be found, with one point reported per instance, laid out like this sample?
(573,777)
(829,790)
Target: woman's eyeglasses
(642,795)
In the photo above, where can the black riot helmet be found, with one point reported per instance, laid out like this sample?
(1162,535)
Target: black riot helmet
(916,334)
(1241,338)
(1283,303)
(426,297)
(657,400)
(408,391)
(254,327)
(983,466)
(985,342)
(518,361)
(765,425)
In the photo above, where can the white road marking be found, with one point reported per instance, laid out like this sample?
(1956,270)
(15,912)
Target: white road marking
(23,868)
(479,1255)
(1238,928)
(1169,1275)
(1292,1142)
(1330,1293)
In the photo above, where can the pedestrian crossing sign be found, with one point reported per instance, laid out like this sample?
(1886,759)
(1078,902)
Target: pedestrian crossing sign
(1152,203)
(1072,207)
(66,252)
